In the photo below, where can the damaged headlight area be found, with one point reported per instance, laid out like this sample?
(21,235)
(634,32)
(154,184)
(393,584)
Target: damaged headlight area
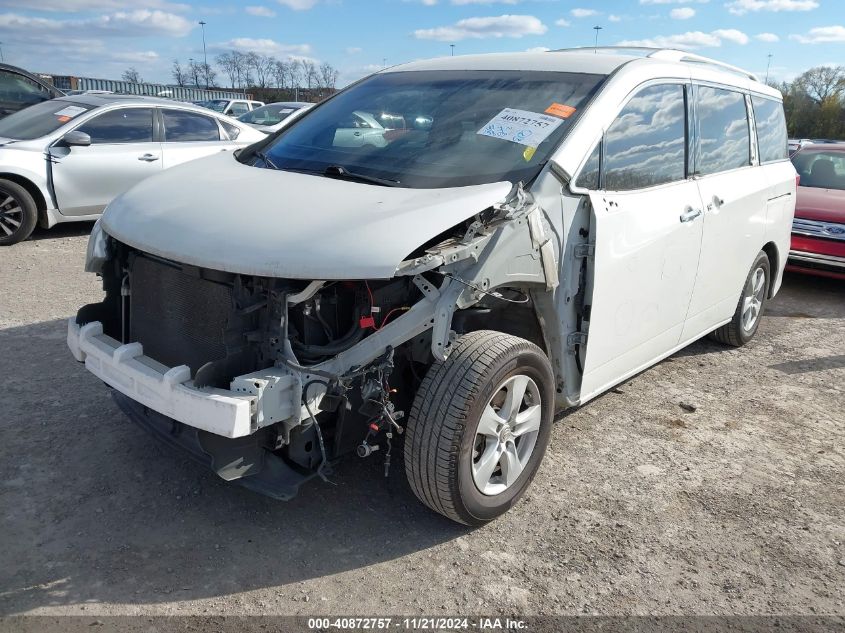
(269,380)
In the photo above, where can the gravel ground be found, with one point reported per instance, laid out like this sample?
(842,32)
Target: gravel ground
(642,506)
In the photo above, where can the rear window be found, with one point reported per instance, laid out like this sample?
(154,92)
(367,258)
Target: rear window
(820,169)
(182,126)
(41,119)
(771,129)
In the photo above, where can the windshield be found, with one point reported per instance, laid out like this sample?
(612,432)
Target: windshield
(218,105)
(821,170)
(40,119)
(432,129)
(271,114)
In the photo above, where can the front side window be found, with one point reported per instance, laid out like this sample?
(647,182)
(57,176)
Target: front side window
(271,114)
(771,129)
(19,91)
(646,144)
(428,129)
(127,125)
(41,119)
(820,169)
(181,126)
(724,137)
(238,108)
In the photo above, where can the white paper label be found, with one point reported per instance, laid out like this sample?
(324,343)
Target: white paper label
(521,126)
(70,111)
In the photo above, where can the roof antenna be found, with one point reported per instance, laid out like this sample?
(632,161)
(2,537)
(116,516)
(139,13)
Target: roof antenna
(596,46)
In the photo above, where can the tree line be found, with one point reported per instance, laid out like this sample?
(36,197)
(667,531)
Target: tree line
(814,103)
(263,75)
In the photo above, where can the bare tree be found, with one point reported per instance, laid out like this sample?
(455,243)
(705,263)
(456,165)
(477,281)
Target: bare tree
(309,70)
(229,63)
(281,74)
(132,75)
(195,70)
(823,83)
(179,74)
(207,71)
(328,76)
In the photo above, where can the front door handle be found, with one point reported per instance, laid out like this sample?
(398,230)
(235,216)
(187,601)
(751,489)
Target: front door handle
(148,158)
(690,214)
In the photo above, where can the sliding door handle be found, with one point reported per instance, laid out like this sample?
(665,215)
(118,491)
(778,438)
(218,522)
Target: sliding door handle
(690,214)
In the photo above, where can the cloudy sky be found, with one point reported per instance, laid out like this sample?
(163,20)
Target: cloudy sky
(101,38)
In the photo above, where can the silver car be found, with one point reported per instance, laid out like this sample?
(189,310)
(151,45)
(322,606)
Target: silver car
(64,160)
(274,116)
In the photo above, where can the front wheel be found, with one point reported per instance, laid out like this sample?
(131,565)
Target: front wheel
(479,427)
(749,309)
(18,213)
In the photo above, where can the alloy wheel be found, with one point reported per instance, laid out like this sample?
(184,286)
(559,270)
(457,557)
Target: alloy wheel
(11,214)
(752,301)
(506,435)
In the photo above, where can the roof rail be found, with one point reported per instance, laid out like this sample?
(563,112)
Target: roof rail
(666,54)
(673,55)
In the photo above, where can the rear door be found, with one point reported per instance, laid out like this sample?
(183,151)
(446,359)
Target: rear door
(189,135)
(734,194)
(647,228)
(122,153)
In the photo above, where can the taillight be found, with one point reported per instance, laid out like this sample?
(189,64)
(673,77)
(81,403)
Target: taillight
(797,179)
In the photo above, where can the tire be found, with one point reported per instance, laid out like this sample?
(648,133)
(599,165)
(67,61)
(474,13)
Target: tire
(450,446)
(18,213)
(754,297)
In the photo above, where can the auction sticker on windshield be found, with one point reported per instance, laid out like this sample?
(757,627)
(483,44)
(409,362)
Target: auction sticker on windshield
(69,111)
(521,126)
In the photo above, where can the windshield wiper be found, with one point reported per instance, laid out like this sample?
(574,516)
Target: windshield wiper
(339,171)
(266,159)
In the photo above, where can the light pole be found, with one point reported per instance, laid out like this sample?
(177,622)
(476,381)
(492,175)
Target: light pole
(452,46)
(1,52)
(204,54)
(384,62)
(768,65)
(596,45)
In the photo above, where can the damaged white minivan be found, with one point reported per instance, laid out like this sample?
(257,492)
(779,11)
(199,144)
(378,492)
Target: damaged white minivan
(436,260)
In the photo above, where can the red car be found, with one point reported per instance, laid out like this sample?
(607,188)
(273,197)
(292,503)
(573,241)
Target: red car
(818,232)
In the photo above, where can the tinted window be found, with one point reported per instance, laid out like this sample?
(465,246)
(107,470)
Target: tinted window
(17,92)
(180,126)
(128,125)
(820,169)
(40,119)
(232,131)
(589,178)
(238,109)
(771,129)
(723,131)
(646,145)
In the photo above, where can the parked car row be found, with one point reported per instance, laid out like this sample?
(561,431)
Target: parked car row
(65,159)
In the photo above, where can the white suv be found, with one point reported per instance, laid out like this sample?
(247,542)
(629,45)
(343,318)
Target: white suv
(539,228)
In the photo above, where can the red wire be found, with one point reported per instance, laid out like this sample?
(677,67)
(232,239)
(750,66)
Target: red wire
(384,320)
(370,292)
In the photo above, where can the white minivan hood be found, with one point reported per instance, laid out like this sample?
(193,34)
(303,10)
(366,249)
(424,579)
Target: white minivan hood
(220,214)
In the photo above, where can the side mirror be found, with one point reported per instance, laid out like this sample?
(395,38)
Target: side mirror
(80,139)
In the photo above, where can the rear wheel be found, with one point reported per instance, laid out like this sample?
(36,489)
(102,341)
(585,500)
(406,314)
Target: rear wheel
(749,310)
(18,213)
(479,427)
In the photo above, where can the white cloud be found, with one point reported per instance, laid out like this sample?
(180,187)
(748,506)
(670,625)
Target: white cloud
(614,18)
(135,57)
(298,5)
(767,37)
(479,28)
(353,50)
(674,1)
(563,22)
(260,11)
(691,39)
(741,7)
(464,2)
(583,13)
(821,34)
(732,35)
(682,13)
(139,23)
(263,47)
(64,6)
(538,49)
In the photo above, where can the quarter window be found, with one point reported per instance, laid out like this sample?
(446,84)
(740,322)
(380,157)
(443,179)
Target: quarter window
(646,144)
(181,126)
(771,129)
(127,125)
(232,131)
(589,177)
(725,141)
